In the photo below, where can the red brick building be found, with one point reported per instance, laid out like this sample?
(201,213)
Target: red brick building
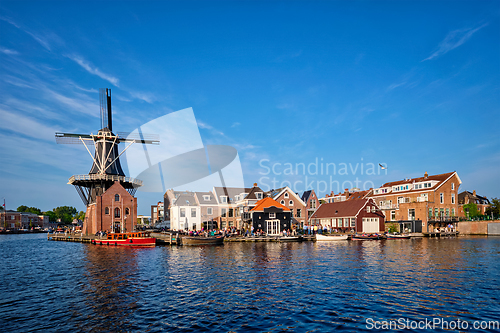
(114,211)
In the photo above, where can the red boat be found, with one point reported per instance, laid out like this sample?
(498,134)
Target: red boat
(126,239)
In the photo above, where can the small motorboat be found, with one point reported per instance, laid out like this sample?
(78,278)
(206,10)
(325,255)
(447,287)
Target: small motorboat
(324,238)
(398,236)
(290,239)
(367,237)
(200,240)
(126,239)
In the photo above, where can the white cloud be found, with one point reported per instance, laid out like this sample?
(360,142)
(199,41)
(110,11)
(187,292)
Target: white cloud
(453,40)
(208,127)
(7,51)
(25,126)
(93,70)
(144,96)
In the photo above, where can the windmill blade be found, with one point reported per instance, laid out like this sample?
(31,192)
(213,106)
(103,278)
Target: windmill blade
(70,138)
(139,138)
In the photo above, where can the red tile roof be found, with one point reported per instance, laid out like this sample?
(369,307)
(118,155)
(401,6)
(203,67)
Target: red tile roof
(266,203)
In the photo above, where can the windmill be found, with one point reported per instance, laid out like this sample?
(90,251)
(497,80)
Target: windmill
(106,168)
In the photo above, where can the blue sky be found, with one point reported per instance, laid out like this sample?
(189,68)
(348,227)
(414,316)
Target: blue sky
(414,85)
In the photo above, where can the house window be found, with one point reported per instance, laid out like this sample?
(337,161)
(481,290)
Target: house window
(223,199)
(452,186)
(286,195)
(290,203)
(106,211)
(223,212)
(453,212)
(117,212)
(441,197)
(453,198)
(282,202)
(368,209)
(430,212)
(183,212)
(206,197)
(272,215)
(117,197)
(313,204)
(127,211)
(291,212)
(298,212)
(447,212)
(193,212)
(258,195)
(210,210)
(230,212)
(436,212)
(353,222)
(393,215)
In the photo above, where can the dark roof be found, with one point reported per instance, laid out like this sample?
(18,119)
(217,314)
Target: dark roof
(275,192)
(358,195)
(202,201)
(340,209)
(306,195)
(472,199)
(232,192)
(251,194)
(441,178)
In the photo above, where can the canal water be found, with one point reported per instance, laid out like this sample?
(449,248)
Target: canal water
(247,287)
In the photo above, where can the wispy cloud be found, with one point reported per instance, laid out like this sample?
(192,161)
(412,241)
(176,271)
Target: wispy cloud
(93,70)
(40,39)
(453,40)
(208,127)
(143,96)
(25,126)
(235,124)
(7,51)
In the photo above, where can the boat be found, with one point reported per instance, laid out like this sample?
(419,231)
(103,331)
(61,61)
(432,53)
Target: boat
(290,239)
(126,239)
(367,236)
(200,240)
(398,236)
(331,238)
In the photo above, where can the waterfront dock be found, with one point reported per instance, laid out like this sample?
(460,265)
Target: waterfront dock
(441,234)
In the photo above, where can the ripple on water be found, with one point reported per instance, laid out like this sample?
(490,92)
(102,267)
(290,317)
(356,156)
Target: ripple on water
(247,287)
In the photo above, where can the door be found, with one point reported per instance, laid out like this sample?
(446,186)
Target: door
(273,227)
(371,224)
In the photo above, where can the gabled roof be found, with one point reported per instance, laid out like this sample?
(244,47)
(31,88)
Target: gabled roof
(185,199)
(358,195)
(275,192)
(266,203)
(284,189)
(232,192)
(253,190)
(347,208)
(306,195)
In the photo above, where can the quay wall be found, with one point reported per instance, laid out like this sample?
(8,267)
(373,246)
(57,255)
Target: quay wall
(479,227)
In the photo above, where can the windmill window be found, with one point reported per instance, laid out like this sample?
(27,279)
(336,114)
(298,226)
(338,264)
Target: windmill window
(106,211)
(127,211)
(117,197)
(117,212)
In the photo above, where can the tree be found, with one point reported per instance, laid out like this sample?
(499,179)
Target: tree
(65,213)
(80,216)
(52,216)
(26,209)
(470,210)
(494,208)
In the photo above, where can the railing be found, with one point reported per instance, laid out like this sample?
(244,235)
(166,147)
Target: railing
(393,206)
(134,181)
(444,219)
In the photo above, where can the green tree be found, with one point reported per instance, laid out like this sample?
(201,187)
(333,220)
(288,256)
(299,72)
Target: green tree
(52,216)
(494,208)
(26,209)
(80,216)
(65,213)
(470,210)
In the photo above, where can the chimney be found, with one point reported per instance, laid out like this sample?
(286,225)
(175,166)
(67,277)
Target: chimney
(254,184)
(474,193)
(346,191)
(426,175)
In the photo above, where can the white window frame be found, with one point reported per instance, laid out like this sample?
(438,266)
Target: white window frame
(453,198)
(210,211)
(290,203)
(452,186)
(206,197)
(223,199)
(258,195)
(282,202)
(272,215)
(286,195)
(193,210)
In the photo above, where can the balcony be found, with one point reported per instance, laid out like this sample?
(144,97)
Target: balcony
(388,207)
(443,219)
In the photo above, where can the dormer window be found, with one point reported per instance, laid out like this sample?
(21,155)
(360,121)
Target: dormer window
(223,199)
(258,195)
(368,209)
(206,197)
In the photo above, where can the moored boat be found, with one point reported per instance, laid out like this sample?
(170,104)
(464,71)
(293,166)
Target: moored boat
(325,238)
(290,239)
(200,240)
(126,239)
(398,236)
(367,237)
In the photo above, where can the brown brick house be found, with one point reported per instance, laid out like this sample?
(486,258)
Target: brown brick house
(114,211)
(292,201)
(431,199)
(467,197)
(360,216)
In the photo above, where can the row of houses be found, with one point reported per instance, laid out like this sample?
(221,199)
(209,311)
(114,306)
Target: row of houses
(11,219)
(421,203)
